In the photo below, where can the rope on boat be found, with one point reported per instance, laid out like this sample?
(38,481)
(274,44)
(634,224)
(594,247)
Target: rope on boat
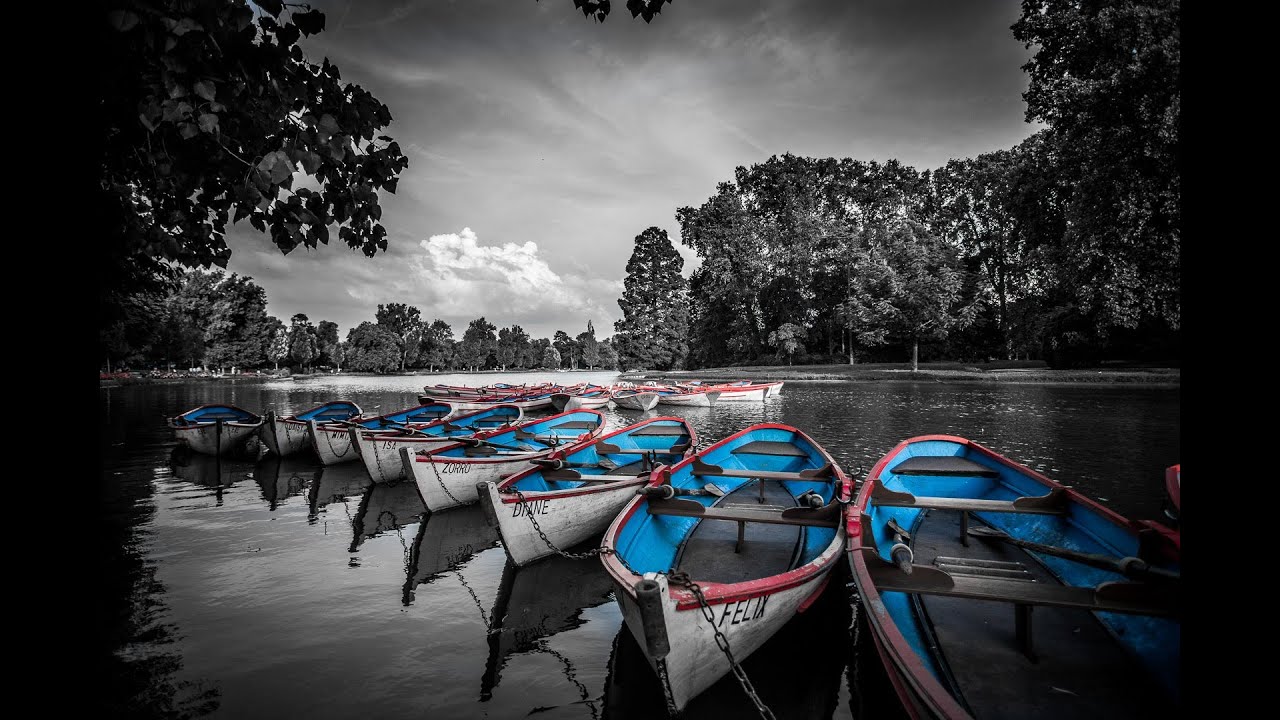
(683,580)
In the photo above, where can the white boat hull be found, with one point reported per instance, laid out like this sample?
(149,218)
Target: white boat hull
(207,439)
(380,453)
(285,437)
(706,399)
(333,444)
(567,517)
(450,482)
(640,401)
(752,395)
(775,389)
(591,403)
(694,661)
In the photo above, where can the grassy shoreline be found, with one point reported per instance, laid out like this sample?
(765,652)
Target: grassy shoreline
(936,372)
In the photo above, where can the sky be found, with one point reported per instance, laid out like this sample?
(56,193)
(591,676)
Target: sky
(541,143)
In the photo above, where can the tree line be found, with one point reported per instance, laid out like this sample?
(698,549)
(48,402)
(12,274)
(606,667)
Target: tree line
(218,320)
(1065,247)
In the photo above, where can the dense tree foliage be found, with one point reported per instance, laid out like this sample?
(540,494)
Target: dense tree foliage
(373,348)
(405,322)
(653,332)
(1106,79)
(211,112)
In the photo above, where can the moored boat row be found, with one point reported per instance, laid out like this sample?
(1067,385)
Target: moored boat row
(979,580)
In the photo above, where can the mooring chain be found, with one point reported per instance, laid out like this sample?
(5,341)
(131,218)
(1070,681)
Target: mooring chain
(570,674)
(855,600)
(666,687)
(455,500)
(682,579)
(489,629)
(528,512)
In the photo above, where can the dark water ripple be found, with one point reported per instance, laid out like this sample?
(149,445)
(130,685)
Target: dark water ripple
(280,588)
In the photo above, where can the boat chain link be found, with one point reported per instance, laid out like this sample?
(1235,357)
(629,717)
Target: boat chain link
(455,500)
(602,550)
(683,580)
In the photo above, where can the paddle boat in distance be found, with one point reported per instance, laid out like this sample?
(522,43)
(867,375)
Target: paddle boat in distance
(725,546)
(952,546)
(333,443)
(287,435)
(575,493)
(380,449)
(447,476)
(215,429)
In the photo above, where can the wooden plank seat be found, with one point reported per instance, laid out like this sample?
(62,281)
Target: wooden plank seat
(825,516)
(575,425)
(769,447)
(948,465)
(675,430)
(1053,503)
(607,448)
(822,473)
(1133,598)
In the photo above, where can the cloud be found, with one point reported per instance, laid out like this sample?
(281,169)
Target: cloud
(454,277)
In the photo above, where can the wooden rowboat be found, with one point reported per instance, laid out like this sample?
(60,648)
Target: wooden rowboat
(688,398)
(591,399)
(753,524)
(953,546)
(215,429)
(635,399)
(379,450)
(447,476)
(333,443)
(287,435)
(576,492)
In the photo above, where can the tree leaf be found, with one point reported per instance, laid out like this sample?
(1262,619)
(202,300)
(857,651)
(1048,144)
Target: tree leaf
(122,20)
(209,123)
(310,162)
(204,89)
(274,7)
(146,123)
(188,130)
(327,127)
(310,22)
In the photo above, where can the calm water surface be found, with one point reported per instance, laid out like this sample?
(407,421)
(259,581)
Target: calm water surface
(276,588)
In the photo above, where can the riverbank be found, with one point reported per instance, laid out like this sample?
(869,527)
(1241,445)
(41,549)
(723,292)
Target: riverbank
(936,372)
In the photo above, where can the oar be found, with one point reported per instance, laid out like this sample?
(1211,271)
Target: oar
(666,492)
(477,442)
(560,464)
(1131,567)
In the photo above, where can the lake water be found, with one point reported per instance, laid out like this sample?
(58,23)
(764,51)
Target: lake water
(277,589)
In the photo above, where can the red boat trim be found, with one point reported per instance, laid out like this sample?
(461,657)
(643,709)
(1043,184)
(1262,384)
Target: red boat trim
(1173,485)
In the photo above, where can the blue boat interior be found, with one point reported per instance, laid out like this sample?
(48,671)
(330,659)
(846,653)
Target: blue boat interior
(419,415)
(1028,654)
(213,413)
(722,551)
(331,412)
(664,440)
(547,433)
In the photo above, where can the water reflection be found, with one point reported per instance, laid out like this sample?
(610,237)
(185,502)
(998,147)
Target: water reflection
(210,471)
(446,540)
(537,601)
(281,478)
(336,483)
(383,508)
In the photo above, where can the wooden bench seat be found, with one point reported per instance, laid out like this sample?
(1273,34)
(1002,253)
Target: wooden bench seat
(822,473)
(826,516)
(769,447)
(945,465)
(1122,597)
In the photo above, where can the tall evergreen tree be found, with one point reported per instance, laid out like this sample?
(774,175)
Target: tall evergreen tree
(654,329)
